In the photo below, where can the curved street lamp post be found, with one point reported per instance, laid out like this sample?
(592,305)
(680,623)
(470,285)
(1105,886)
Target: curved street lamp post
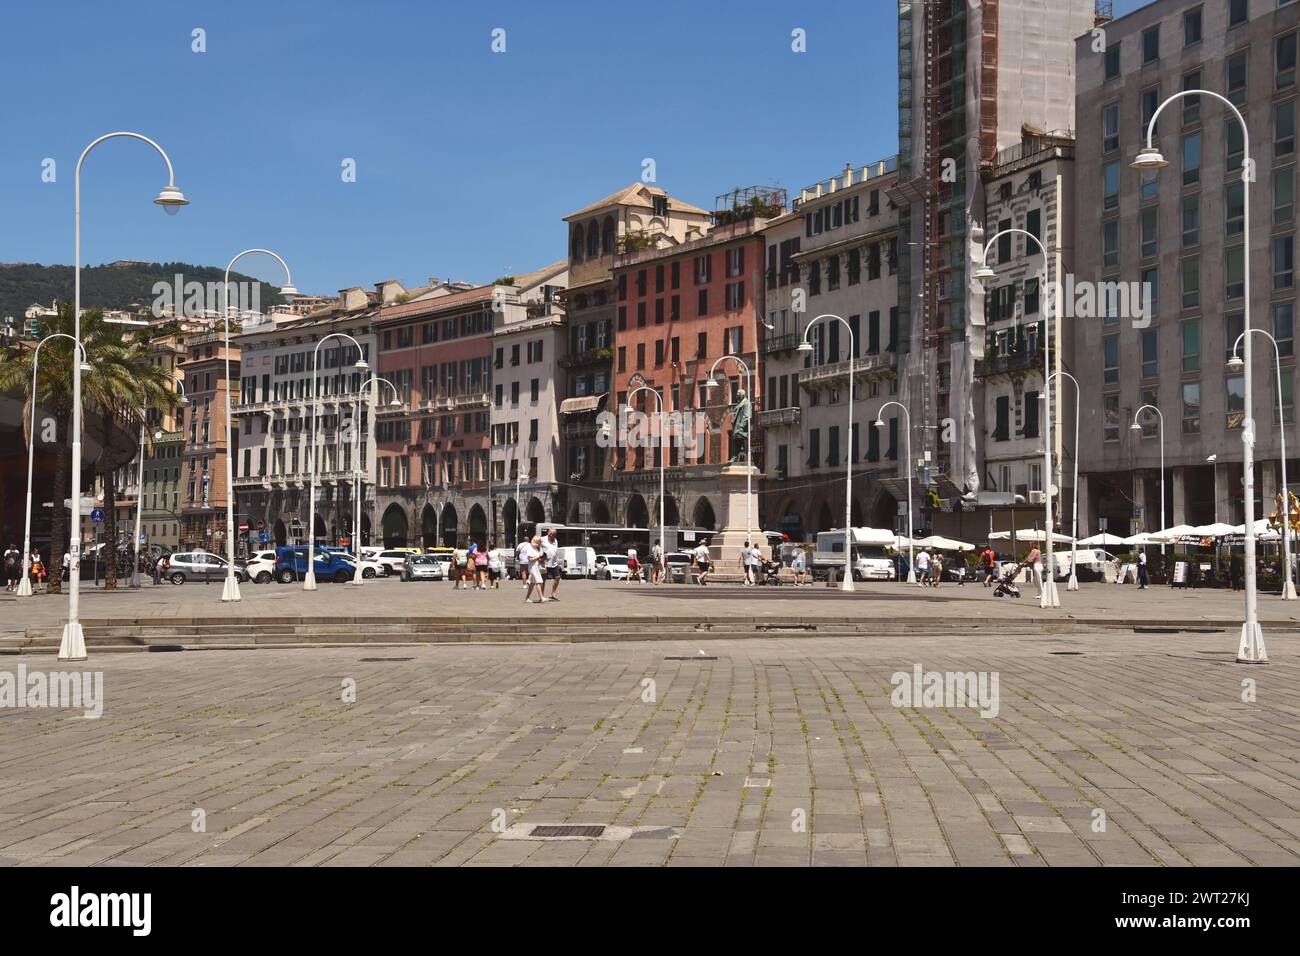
(1073,583)
(907,446)
(663,452)
(356,467)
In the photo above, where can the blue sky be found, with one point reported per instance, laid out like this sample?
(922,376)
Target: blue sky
(466,160)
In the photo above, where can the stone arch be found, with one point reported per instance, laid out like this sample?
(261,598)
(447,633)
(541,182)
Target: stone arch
(855,513)
(428,526)
(672,514)
(365,529)
(448,527)
(884,513)
(280,534)
(510,519)
(536,513)
(394,526)
(638,515)
(600,513)
(478,526)
(825,517)
(320,535)
(703,516)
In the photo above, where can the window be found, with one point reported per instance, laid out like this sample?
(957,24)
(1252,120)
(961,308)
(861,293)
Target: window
(1004,242)
(1109,128)
(1191,104)
(1034,223)
(1234,208)
(1191,408)
(1110,185)
(1110,243)
(1284,56)
(1150,100)
(1191,282)
(1191,335)
(1234,273)
(1149,185)
(1233,324)
(1150,353)
(1150,232)
(1002,427)
(1149,421)
(1236,79)
(1110,359)
(1236,144)
(702,302)
(1192,27)
(1191,159)
(703,269)
(1112,61)
(1237,12)
(1031,416)
(1284,327)
(1283,194)
(1110,418)
(1283,262)
(1151,45)
(1288,395)
(1234,400)
(1191,221)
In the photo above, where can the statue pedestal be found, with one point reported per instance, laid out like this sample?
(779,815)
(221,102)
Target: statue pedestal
(736,503)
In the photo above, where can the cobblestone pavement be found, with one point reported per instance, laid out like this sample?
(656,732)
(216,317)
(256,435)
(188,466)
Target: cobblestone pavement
(779,751)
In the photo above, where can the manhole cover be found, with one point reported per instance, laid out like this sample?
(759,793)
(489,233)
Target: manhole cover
(384,660)
(567,830)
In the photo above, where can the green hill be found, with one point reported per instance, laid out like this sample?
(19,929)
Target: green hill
(117,285)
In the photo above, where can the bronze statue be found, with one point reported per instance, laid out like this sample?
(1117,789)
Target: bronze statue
(740,416)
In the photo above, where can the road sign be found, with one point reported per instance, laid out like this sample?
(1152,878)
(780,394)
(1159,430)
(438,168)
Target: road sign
(97,515)
(243,527)
(143,537)
(265,537)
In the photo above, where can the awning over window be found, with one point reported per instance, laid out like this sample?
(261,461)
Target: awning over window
(583,403)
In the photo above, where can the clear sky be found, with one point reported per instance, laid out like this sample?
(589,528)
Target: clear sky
(466,159)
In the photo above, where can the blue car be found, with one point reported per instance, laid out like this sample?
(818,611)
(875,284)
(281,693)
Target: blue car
(291,565)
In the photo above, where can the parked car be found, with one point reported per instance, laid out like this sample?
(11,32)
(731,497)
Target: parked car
(611,567)
(394,559)
(199,565)
(577,562)
(261,567)
(677,567)
(369,567)
(291,565)
(424,567)
(871,559)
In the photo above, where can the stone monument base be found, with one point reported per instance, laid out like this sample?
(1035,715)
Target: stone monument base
(726,544)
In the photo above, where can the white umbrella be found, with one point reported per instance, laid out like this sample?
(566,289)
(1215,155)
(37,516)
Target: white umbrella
(1262,531)
(941,543)
(1029,534)
(1171,534)
(1104,540)
(1139,539)
(1216,530)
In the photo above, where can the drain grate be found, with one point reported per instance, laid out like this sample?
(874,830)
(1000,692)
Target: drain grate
(566,830)
(698,657)
(384,660)
(1067,653)
(785,627)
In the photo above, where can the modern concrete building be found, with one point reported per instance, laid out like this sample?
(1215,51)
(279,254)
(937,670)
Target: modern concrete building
(834,253)
(1180,232)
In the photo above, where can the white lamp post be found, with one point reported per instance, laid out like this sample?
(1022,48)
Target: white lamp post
(711,383)
(1214,463)
(139,504)
(663,452)
(1250,650)
(25,584)
(309,579)
(356,467)
(1235,364)
(984,273)
(231,590)
(1137,427)
(1073,583)
(72,645)
(805,346)
(907,446)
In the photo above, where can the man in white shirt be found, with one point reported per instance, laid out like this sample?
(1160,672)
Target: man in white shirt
(656,563)
(755,560)
(551,563)
(700,557)
(521,560)
(922,567)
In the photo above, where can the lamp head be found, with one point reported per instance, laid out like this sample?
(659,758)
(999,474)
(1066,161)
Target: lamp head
(709,383)
(1149,157)
(804,346)
(984,273)
(1135,427)
(361,365)
(288,291)
(85,366)
(171,199)
(879,423)
(1213,458)
(394,403)
(1235,364)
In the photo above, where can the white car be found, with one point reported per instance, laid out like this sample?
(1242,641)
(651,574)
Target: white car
(611,567)
(369,567)
(261,567)
(393,561)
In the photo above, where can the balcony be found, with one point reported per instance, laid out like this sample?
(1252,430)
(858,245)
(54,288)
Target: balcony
(578,430)
(589,357)
(472,400)
(779,416)
(1002,363)
(253,481)
(773,344)
(864,368)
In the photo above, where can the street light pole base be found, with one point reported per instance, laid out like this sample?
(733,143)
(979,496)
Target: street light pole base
(1251,649)
(1073,583)
(309,582)
(73,645)
(847,584)
(231,591)
(1048,597)
(25,586)
(1288,591)
(911,575)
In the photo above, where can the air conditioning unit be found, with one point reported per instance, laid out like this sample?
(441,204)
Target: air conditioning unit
(1037,497)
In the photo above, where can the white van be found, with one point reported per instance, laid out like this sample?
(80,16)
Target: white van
(578,562)
(871,559)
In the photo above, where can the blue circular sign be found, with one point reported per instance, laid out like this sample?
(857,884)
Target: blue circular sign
(97,515)
(265,537)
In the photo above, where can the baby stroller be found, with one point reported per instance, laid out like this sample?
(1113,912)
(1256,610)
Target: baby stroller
(1007,583)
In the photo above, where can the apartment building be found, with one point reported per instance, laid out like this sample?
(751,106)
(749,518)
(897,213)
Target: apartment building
(527,464)
(640,216)
(682,308)
(203,425)
(1029,187)
(1180,232)
(293,370)
(834,253)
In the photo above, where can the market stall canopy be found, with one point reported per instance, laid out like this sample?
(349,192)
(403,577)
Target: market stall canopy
(1029,534)
(940,543)
(1103,540)
(1216,530)
(1140,539)
(1167,535)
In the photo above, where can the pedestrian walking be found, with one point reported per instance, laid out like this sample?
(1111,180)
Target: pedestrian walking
(480,568)
(521,561)
(633,567)
(1033,561)
(657,563)
(1142,570)
(798,565)
(495,566)
(923,568)
(67,566)
(38,573)
(755,563)
(701,559)
(551,563)
(989,561)
(936,570)
(533,559)
(13,567)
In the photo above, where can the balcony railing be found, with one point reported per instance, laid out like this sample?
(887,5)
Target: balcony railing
(781,343)
(1003,362)
(779,416)
(868,366)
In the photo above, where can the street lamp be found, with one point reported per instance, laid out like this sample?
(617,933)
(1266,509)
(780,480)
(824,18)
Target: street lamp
(711,383)
(1073,583)
(1137,427)
(356,467)
(139,504)
(907,446)
(309,579)
(1250,650)
(1214,463)
(984,273)
(1235,364)
(231,590)
(805,346)
(72,645)
(25,585)
(663,452)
